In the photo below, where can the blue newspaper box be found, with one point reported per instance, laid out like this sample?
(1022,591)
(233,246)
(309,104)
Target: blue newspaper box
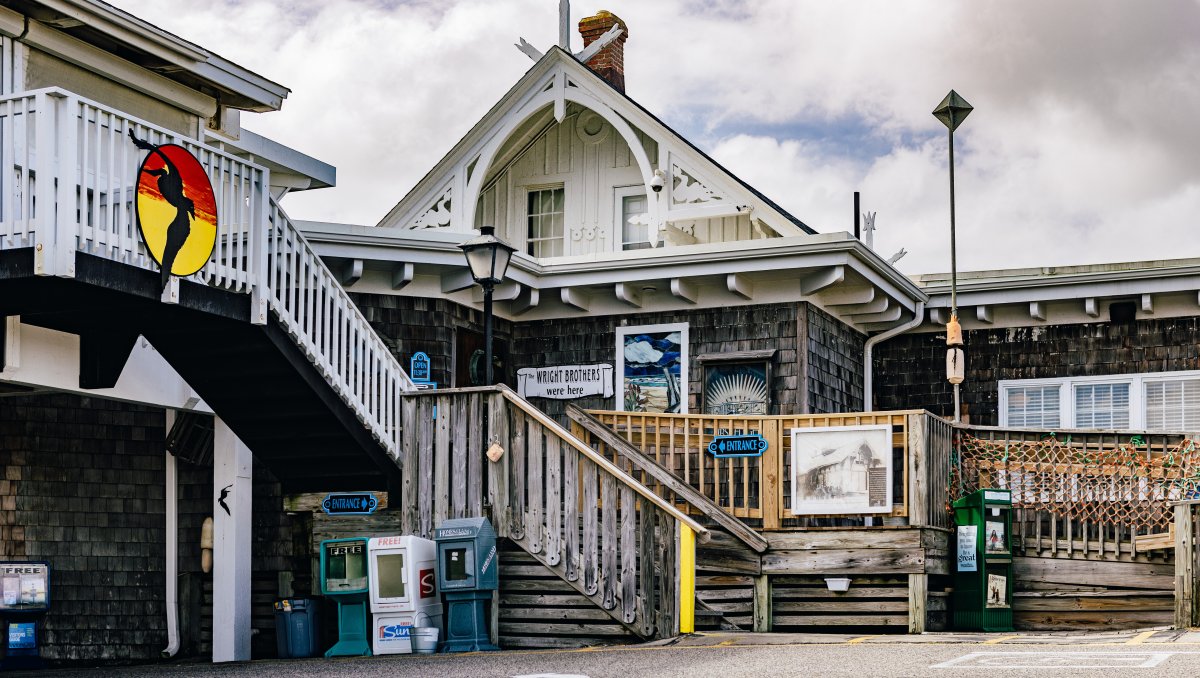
(467,575)
(24,602)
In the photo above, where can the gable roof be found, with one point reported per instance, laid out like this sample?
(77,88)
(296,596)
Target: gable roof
(433,183)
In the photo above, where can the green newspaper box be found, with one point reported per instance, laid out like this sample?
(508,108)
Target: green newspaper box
(983,582)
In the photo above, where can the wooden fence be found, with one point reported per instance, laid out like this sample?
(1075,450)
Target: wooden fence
(1048,533)
(758,489)
(601,532)
(1187,559)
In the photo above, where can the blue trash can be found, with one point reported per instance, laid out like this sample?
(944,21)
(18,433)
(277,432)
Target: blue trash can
(296,632)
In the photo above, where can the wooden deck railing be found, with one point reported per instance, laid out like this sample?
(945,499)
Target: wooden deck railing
(577,513)
(758,489)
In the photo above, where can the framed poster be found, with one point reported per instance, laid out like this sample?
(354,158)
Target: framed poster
(997,590)
(733,388)
(652,368)
(842,470)
(993,537)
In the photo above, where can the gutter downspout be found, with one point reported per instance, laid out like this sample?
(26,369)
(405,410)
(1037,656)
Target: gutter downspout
(868,348)
(172,539)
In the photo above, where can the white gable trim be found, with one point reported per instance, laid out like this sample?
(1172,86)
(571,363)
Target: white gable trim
(558,92)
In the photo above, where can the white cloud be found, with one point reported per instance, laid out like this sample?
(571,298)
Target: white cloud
(1083,146)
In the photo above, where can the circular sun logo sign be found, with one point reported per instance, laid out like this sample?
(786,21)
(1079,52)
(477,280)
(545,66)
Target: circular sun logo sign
(176,209)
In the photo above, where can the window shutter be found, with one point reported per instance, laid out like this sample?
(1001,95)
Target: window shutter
(1173,405)
(1033,406)
(1102,405)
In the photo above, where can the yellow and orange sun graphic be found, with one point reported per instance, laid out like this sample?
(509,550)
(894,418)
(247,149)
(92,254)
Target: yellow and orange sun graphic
(195,207)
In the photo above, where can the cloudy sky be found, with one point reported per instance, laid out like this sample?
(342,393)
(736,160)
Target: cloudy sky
(1084,145)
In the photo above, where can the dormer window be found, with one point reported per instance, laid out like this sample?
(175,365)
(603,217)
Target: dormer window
(633,214)
(545,214)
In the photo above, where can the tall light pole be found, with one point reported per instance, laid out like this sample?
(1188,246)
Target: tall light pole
(488,258)
(952,111)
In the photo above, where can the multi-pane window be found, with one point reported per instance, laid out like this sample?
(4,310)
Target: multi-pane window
(1163,401)
(1102,405)
(1033,406)
(635,222)
(545,213)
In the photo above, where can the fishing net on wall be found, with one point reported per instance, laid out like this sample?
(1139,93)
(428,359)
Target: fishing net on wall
(1117,484)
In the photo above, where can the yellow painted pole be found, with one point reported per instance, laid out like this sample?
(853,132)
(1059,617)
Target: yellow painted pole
(687,579)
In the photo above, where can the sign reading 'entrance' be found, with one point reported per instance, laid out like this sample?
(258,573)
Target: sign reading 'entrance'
(748,445)
(349,503)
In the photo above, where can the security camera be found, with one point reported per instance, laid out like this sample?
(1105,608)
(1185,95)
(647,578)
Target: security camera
(656,184)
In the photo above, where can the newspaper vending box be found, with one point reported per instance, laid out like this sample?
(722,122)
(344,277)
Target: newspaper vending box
(403,591)
(344,578)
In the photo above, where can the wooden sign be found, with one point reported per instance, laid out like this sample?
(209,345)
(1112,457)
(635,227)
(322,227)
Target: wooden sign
(565,382)
(748,445)
(349,503)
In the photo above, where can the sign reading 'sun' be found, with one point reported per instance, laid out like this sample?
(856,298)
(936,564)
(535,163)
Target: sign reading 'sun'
(176,209)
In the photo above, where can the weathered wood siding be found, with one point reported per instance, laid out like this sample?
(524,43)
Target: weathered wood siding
(910,369)
(1062,594)
(835,365)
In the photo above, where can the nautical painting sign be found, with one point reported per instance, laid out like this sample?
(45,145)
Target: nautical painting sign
(842,470)
(565,382)
(349,503)
(652,364)
(176,209)
(748,445)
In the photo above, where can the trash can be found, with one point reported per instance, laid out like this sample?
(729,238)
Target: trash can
(296,632)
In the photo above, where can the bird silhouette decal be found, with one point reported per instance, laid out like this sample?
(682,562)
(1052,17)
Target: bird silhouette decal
(170,185)
(221,499)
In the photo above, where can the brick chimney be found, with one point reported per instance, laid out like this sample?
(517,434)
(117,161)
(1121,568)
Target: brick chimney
(609,63)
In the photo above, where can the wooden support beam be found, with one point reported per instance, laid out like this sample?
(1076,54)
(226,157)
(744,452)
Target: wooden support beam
(1037,310)
(351,272)
(828,277)
(456,280)
(575,297)
(505,291)
(402,275)
(847,296)
(939,316)
(762,604)
(526,300)
(1185,558)
(1091,308)
(890,315)
(740,285)
(628,293)
(984,314)
(684,289)
(1148,303)
(877,305)
(918,595)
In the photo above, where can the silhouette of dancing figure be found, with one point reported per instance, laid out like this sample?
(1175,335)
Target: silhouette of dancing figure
(170,185)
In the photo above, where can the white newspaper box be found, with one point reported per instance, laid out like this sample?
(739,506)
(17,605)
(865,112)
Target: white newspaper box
(403,590)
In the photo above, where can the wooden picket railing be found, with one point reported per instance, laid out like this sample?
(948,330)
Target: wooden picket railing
(758,489)
(592,524)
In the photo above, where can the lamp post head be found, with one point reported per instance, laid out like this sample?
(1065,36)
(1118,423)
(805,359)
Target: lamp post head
(487,256)
(953,110)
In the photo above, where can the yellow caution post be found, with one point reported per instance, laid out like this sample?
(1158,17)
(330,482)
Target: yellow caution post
(687,579)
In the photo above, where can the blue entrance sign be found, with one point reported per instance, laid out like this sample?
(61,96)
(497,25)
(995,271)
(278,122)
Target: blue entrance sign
(418,367)
(349,503)
(748,445)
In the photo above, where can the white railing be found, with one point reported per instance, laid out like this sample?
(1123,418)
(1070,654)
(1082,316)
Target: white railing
(318,313)
(90,175)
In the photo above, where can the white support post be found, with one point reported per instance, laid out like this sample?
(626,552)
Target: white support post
(66,206)
(232,487)
(43,200)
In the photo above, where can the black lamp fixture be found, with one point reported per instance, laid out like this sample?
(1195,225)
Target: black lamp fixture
(487,257)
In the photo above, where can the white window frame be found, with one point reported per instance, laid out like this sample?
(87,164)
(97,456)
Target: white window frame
(619,195)
(523,206)
(1066,394)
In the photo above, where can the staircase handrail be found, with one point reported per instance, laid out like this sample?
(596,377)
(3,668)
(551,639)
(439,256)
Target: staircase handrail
(660,473)
(702,533)
(316,310)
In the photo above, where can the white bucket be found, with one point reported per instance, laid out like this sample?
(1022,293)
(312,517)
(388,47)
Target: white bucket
(425,639)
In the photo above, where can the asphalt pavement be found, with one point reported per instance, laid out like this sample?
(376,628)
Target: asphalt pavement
(734,655)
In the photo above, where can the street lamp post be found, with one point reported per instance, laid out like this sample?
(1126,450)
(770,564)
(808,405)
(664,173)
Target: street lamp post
(952,111)
(487,257)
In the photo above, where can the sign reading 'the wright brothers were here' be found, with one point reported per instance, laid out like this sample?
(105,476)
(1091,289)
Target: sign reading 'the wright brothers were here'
(565,382)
